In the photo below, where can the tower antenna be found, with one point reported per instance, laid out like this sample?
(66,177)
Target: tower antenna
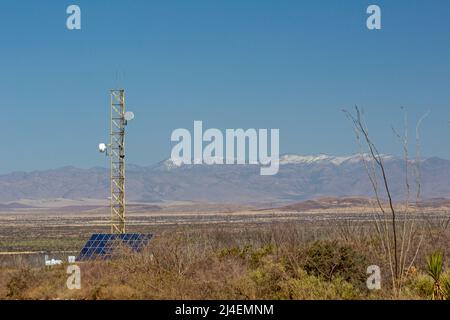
(101,245)
(116,151)
(117,157)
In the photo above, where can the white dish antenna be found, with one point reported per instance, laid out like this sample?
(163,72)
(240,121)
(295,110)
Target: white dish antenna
(102,147)
(129,115)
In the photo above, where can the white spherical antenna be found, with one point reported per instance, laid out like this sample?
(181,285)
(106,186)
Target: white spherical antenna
(129,115)
(102,147)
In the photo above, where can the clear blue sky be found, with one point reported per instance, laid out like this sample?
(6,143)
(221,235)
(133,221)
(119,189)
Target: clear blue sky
(291,65)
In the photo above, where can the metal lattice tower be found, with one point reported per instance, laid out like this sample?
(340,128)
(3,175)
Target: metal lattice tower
(117,156)
(101,245)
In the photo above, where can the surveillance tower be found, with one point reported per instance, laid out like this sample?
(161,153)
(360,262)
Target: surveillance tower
(116,152)
(102,245)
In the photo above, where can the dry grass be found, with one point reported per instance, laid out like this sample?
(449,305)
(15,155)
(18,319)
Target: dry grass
(280,261)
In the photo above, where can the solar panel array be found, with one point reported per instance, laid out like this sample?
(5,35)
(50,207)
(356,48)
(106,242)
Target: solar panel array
(101,245)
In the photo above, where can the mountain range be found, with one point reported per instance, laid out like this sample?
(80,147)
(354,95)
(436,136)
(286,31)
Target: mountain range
(299,178)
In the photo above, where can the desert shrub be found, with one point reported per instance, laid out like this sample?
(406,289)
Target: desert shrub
(446,288)
(309,287)
(331,259)
(421,285)
(236,252)
(268,279)
(179,254)
(272,280)
(20,281)
(254,256)
(258,255)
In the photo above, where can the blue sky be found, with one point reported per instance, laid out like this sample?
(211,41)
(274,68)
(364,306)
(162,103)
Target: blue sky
(291,65)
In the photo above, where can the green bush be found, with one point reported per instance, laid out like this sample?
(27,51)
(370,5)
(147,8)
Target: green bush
(331,259)
(421,285)
(309,287)
(268,278)
(248,253)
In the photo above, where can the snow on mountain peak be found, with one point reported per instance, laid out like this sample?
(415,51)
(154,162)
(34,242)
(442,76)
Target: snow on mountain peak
(171,164)
(323,158)
(287,159)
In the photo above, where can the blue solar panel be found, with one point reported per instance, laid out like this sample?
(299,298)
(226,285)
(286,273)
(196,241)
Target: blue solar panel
(101,245)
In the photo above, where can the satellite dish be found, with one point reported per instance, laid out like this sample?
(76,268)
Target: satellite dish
(129,115)
(102,147)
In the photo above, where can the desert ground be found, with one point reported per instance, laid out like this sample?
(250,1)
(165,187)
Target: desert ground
(263,251)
